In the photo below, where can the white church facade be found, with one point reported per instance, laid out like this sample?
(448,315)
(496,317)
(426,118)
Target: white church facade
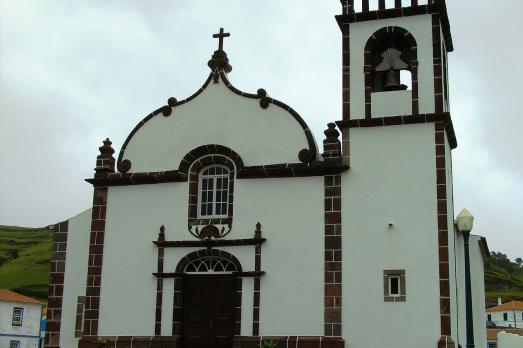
(223,223)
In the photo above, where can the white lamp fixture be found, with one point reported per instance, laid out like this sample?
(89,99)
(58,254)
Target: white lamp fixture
(465,221)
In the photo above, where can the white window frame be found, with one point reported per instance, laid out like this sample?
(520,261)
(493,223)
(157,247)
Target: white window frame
(14,344)
(201,177)
(18,316)
(209,264)
(398,278)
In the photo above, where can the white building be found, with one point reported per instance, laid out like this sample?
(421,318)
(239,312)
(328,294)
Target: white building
(508,314)
(223,224)
(20,320)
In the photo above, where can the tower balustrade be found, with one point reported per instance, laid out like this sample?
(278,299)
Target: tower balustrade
(362,6)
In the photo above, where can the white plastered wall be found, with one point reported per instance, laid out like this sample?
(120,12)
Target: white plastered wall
(454,314)
(421,28)
(77,256)
(460,289)
(507,340)
(477,272)
(291,214)
(392,103)
(217,116)
(392,180)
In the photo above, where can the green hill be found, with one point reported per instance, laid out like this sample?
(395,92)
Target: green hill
(503,278)
(25,255)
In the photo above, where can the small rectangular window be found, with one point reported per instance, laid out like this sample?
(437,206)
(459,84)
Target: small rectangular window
(489,317)
(505,316)
(14,344)
(394,286)
(18,316)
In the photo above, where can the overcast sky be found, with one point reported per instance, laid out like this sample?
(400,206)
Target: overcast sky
(75,72)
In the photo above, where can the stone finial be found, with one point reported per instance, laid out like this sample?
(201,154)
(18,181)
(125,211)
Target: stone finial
(105,160)
(258,232)
(161,235)
(220,61)
(331,144)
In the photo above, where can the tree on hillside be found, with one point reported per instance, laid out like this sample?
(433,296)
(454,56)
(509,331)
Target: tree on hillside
(519,261)
(501,260)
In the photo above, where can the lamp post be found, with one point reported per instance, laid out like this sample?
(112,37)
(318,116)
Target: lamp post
(465,221)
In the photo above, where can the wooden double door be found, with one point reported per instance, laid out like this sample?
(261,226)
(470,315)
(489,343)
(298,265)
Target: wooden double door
(208,310)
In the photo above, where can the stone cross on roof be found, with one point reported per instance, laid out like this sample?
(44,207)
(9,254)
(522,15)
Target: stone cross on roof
(220,36)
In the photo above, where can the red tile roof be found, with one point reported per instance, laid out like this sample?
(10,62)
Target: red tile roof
(8,295)
(518,305)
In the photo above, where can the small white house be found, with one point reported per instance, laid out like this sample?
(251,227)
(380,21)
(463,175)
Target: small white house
(20,320)
(509,314)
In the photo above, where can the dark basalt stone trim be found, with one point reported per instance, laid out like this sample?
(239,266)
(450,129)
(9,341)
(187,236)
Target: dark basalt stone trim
(95,261)
(56,284)
(484,247)
(124,165)
(290,341)
(305,155)
(290,170)
(248,274)
(208,242)
(404,120)
(439,8)
(257,281)
(159,286)
(285,170)
(120,179)
(209,150)
(132,341)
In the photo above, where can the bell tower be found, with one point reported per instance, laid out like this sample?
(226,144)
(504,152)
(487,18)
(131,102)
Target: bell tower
(394,57)
(397,135)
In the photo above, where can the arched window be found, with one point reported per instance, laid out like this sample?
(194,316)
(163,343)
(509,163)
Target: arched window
(211,170)
(210,265)
(214,192)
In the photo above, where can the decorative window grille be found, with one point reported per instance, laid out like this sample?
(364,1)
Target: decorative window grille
(214,192)
(210,265)
(14,344)
(18,316)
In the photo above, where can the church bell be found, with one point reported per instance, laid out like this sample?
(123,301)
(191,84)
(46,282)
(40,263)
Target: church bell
(392,82)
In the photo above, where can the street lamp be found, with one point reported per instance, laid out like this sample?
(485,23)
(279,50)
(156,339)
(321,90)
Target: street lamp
(465,221)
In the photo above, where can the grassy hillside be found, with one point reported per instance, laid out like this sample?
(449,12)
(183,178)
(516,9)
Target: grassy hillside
(25,255)
(503,278)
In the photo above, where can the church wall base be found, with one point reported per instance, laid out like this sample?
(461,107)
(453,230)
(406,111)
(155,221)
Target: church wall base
(131,341)
(290,341)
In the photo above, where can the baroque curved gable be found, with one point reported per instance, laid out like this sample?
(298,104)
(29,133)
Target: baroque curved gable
(262,130)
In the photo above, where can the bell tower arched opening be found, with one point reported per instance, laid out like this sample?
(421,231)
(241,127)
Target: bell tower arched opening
(391,64)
